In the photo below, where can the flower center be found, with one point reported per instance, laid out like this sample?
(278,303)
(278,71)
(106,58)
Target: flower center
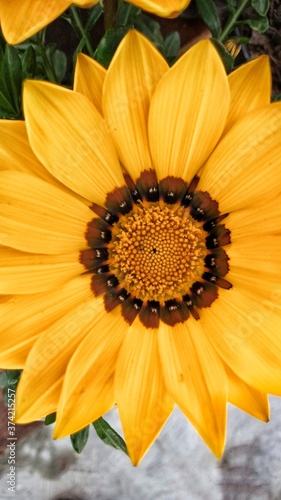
(157,252)
(155,249)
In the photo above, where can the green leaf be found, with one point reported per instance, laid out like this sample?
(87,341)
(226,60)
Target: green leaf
(259,24)
(59,61)
(242,40)
(127,13)
(276,97)
(78,49)
(95,14)
(6,109)
(13,73)
(109,43)
(171,46)
(2,44)
(79,439)
(260,6)
(3,84)
(232,4)
(151,29)
(227,59)
(3,81)
(3,379)
(29,63)
(208,12)
(13,376)
(109,436)
(50,419)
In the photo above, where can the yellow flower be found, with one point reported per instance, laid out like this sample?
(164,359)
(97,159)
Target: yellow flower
(163,8)
(140,233)
(20,19)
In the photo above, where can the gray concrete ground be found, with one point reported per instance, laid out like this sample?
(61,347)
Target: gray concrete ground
(177,467)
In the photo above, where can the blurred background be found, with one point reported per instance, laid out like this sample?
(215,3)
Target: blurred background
(177,467)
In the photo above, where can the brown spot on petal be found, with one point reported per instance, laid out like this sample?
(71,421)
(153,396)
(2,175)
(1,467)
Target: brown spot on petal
(216,280)
(98,233)
(149,314)
(219,236)
(217,261)
(102,283)
(190,192)
(172,189)
(173,312)
(114,298)
(190,305)
(104,214)
(203,207)
(203,294)
(131,308)
(147,185)
(135,194)
(119,201)
(92,259)
(87,258)
(212,223)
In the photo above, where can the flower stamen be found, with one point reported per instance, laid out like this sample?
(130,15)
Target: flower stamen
(156,250)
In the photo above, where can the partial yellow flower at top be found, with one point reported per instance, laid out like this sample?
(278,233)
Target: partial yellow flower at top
(20,19)
(163,8)
(140,230)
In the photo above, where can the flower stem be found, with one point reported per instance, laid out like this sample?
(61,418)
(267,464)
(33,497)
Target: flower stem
(78,26)
(232,20)
(110,8)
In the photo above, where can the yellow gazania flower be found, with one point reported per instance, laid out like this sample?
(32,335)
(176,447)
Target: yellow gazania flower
(140,258)
(20,19)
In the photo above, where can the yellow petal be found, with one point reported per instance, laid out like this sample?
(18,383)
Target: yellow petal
(71,139)
(88,384)
(246,397)
(29,222)
(255,268)
(21,19)
(245,167)
(250,89)
(269,284)
(31,273)
(86,3)
(163,8)
(40,384)
(195,378)
(129,84)
(21,157)
(259,254)
(259,221)
(188,111)
(246,332)
(23,318)
(141,396)
(89,78)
